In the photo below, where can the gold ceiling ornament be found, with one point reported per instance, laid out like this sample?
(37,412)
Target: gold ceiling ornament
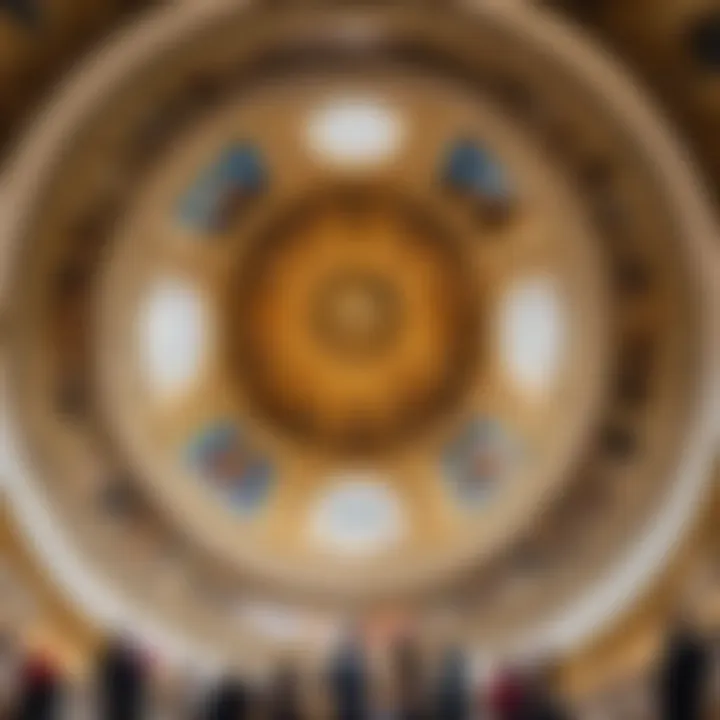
(340,230)
(352,322)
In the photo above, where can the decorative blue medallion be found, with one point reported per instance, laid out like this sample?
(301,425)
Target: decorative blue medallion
(222,189)
(236,471)
(478,459)
(471,169)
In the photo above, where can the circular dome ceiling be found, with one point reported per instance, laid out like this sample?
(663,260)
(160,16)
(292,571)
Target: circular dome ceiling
(344,306)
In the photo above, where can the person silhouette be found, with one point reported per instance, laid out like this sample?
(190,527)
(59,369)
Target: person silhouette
(285,702)
(683,673)
(348,680)
(40,695)
(507,694)
(121,680)
(541,701)
(410,680)
(452,700)
(230,700)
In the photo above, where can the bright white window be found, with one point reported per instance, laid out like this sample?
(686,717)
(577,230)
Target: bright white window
(358,514)
(533,333)
(354,132)
(173,336)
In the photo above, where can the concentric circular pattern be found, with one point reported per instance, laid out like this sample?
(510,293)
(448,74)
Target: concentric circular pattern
(353,322)
(358,313)
(341,313)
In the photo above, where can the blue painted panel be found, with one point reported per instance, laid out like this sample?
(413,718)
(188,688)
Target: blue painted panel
(478,459)
(240,475)
(237,174)
(470,168)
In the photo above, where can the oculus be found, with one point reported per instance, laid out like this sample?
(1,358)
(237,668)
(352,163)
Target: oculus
(357,313)
(353,321)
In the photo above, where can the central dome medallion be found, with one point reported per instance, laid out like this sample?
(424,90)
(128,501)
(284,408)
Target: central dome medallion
(353,323)
(345,313)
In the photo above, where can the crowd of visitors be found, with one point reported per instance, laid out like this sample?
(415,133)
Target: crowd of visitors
(122,687)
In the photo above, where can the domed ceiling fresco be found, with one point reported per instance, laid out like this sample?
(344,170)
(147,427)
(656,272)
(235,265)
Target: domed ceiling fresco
(317,312)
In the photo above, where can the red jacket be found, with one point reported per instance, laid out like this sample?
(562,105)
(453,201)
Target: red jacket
(39,670)
(506,695)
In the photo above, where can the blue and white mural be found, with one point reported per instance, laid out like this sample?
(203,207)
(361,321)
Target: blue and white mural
(237,472)
(478,460)
(471,169)
(237,175)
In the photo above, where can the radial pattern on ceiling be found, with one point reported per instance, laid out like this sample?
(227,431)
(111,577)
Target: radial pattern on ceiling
(435,251)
